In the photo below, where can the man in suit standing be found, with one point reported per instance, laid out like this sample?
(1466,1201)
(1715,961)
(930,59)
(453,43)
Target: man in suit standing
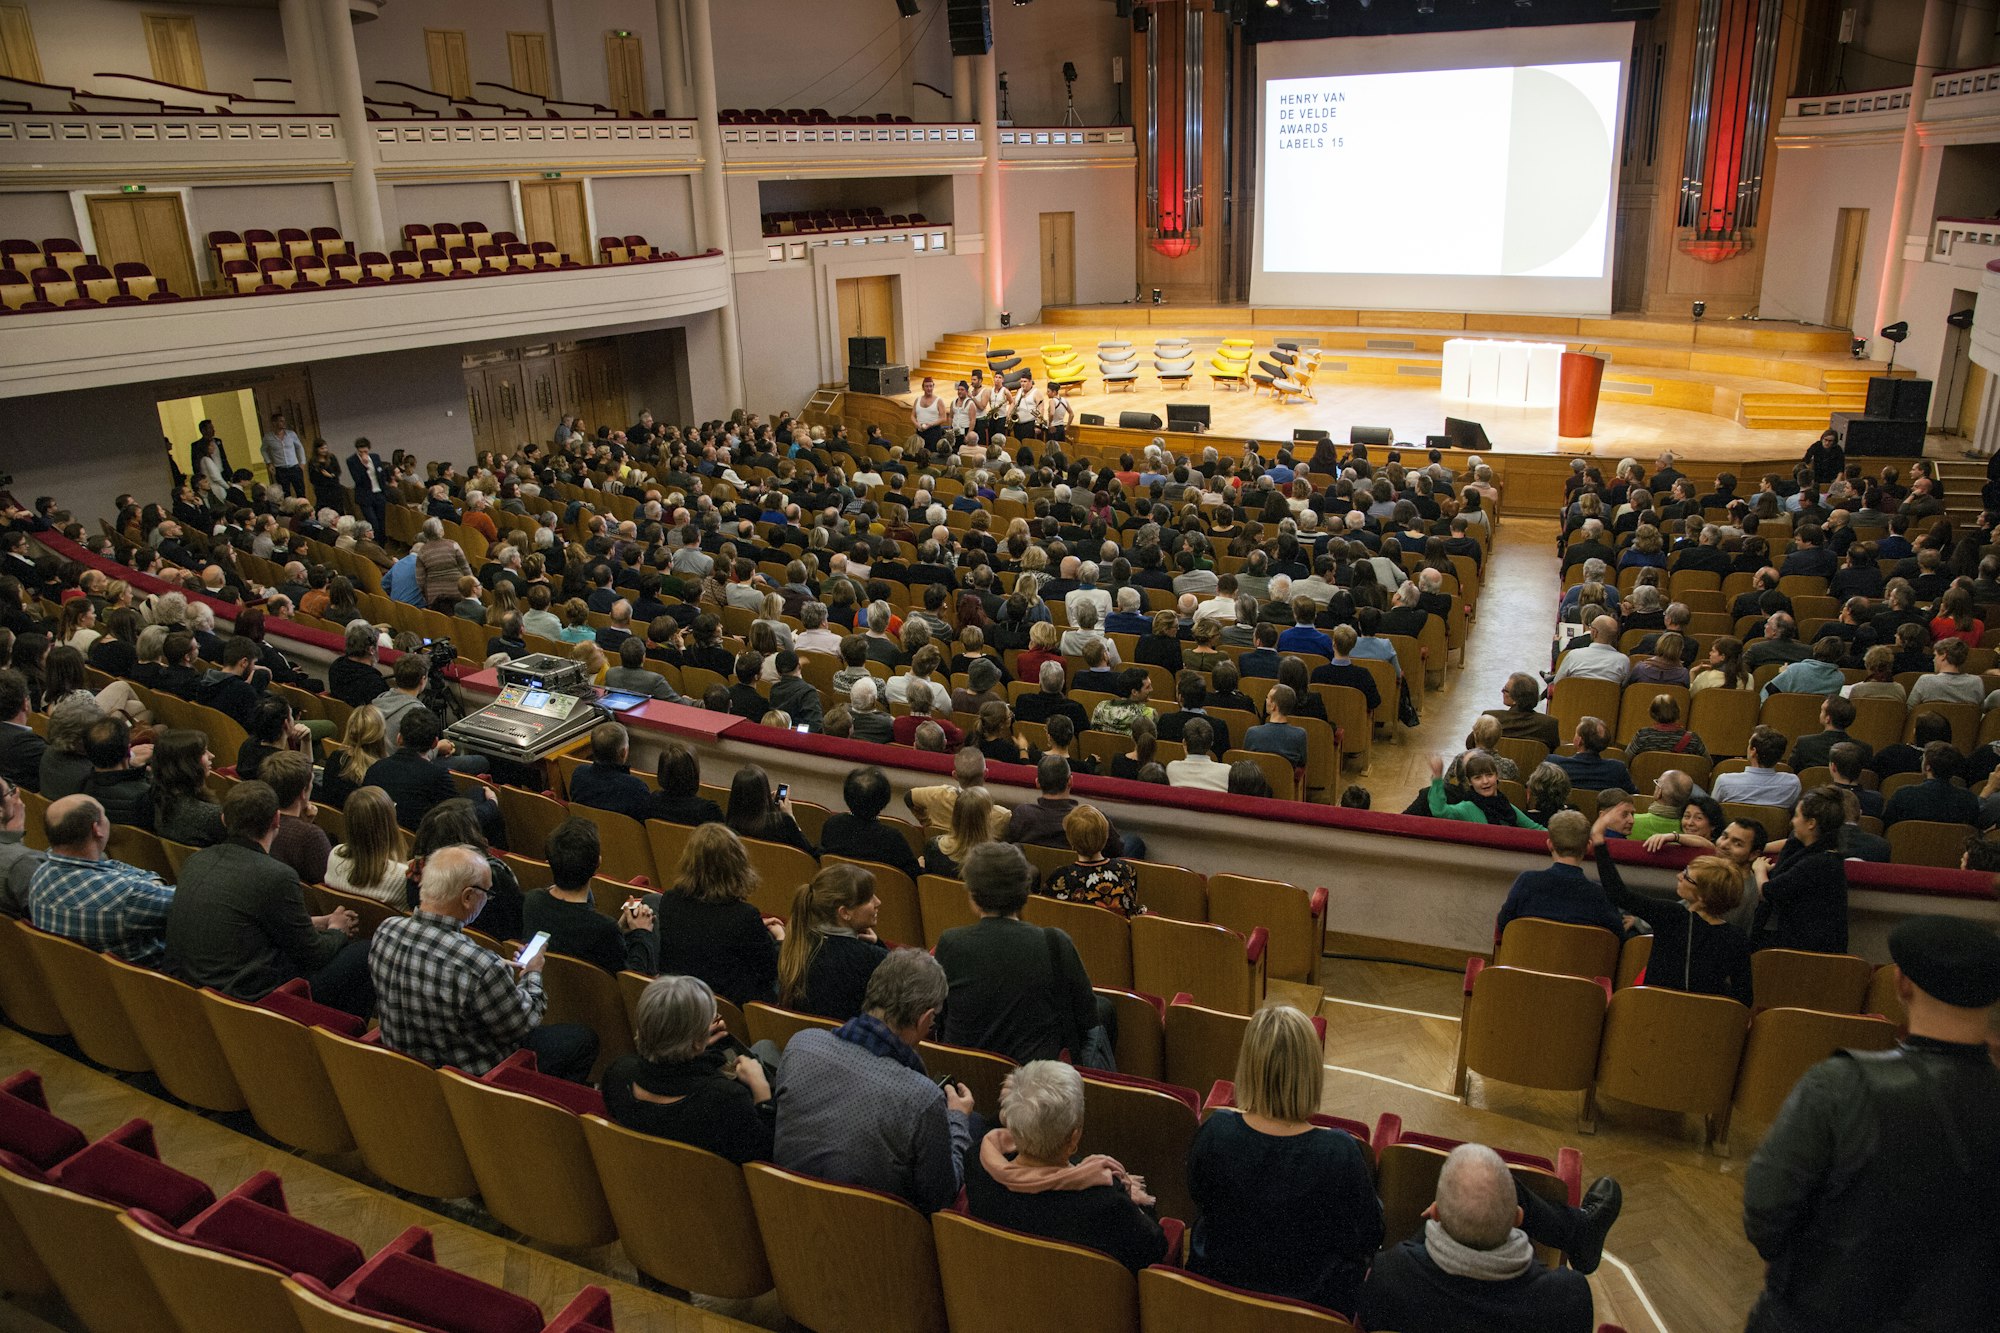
(371,485)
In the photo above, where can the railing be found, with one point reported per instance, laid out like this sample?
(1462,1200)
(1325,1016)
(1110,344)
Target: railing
(1965,242)
(537,143)
(1952,93)
(881,142)
(1846,113)
(927,240)
(40,140)
(1031,142)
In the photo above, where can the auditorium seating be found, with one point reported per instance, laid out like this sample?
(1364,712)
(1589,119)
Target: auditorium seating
(57,274)
(803,116)
(819,221)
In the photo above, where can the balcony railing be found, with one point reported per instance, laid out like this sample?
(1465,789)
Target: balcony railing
(538,143)
(1964,92)
(1049,142)
(885,143)
(927,240)
(1965,242)
(40,141)
(1846,113)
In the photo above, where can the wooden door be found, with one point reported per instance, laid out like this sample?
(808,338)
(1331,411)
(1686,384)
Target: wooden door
(1849,237)
(528,61)
(607,387)
(867,309)
(573,386)
(625,63)
(451,73)
(146,229)
(541,396)
(18,57)
(506,405)
(480,417)
(1058,259)
(174,48)
(554,211)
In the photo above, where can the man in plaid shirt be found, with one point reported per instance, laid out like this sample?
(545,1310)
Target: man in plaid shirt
(83,895)
(445,1000)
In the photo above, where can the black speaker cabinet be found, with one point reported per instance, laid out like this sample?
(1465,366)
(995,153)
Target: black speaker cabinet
(1880,437)
(867,351)
(1382,435)
(1197,412)
(1309,436)
(1090,419)
(1138,421)
(878,379)
(971,27)
(1466,434)
(1899,399)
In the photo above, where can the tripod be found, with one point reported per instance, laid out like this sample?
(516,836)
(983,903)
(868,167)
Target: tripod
(1069,94)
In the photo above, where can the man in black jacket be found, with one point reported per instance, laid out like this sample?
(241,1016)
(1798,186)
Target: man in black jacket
(239,922)
(355,679)
(229,689)
(408,774)
(20,746)
(1475,1266)
(1864,1197)
(115,781)
(576,928)
(607,782)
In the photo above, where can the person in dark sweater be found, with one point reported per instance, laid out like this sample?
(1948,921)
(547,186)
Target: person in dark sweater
(830,949)
(607,781)
(860,832)
(708,926)
(1474,1268)
(1016,989)
(576,928)
(1287,1208)
(1695,946)
(1802,902)
(354,678)
(1562,892)
(1025,1176)
(685,1083)
(680,800)
(119,785)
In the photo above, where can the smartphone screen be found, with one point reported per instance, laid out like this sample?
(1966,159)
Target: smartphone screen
(802,726)
(784,790)
(532,949)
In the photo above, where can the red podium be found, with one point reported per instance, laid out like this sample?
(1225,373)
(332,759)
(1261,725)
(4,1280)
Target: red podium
(1582,376)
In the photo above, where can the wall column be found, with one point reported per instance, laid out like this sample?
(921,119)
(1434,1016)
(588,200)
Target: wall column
(1972,46)
(712,223)
(1909,237)
(304,56)
(961,88)
(673,59)
(343,75)
(989,187)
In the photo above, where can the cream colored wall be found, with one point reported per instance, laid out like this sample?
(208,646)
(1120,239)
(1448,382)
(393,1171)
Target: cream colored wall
(78,38)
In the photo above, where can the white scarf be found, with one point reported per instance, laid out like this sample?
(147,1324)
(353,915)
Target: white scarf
(1509,1260)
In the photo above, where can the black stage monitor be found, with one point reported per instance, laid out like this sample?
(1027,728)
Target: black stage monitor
(1466,434)
(1091,419)
(1310,436)
(1138,421)
(1437,441)
(1383,435)
(1188,412)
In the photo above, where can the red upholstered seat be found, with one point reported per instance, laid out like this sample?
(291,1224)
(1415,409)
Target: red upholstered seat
(294,1000)
(253,1222)
(29,1130)
(124,1168)
(405,1282)
(517,1073)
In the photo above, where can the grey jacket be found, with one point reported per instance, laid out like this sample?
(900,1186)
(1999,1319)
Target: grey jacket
(848,1115)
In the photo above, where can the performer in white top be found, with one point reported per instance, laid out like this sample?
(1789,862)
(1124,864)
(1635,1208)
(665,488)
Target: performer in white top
(984,397)
(1027,407)
(927,414)
(1058,416)
(963,409)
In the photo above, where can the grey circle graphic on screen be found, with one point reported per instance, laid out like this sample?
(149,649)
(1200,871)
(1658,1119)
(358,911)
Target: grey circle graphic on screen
(1558,160)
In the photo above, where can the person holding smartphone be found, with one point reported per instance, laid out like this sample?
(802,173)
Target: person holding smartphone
(689,1081)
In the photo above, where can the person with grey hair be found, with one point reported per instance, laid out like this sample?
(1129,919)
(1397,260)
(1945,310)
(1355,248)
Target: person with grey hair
(1087,590)
(856,1105)
(1049,700)
(446,1000)
(1017,989)
(354,678)
(441,563)
(815,637)
(1085,615)
(871,723)
(1128,618)
(1475,1266)
(689,1082)
(1025,1176)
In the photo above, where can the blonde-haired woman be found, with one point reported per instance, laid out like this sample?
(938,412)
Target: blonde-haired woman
(830,950)
(971,825)
(368,861)
(708,926)
(363,740)
(1285,1208)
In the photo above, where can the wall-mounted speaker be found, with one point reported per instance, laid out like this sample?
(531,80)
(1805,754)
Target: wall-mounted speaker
(971,26)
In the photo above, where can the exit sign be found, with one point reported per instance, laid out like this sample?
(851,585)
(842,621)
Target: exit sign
(131,189)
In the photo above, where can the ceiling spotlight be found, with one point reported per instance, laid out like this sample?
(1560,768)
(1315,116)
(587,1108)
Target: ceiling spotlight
(1959,319)
(1427,6)
(907,8)
(1858,348)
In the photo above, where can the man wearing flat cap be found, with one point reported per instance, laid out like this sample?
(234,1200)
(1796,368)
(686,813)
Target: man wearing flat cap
(1873,1196)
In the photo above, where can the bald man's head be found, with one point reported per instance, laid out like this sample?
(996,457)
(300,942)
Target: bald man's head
(77,827)
(1476,1202)
(1604,630)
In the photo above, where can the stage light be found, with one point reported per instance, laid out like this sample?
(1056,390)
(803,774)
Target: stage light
(1960,319)
(1270,4)
(1898,331)
(1427,6)
(907,8)
(1006,319)
(1700,309)
(1159,298)
(1858,348)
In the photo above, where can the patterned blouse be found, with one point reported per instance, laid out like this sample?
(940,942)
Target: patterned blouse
(1110,883)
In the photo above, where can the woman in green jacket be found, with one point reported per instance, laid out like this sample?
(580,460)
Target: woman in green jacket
(1479,803)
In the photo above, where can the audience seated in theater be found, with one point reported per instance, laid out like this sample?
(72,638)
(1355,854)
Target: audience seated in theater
(410,677)
(271,729)
(239,924)
(1819,673)
(792,694)
(1836,715)
(410,773)
(1665,731)
(856,1105)
(83,895)
(1760,783)
(353,678)
(1934,798)
(21,748)
(568,913)
(1908,756)
(1802,897)
(1341,670)
(1200,769)
(1016,989)
(1287,1208)
(1479,803)
(1160,646)
(1193,695)
(18,861)
(972,824)
(1599,659)
(831,949)
(445,1000)
(1474,1266)
(1780,643)
(368,862)
(1519,720)
(363,742)
(688,1082)
(679,800)
(870,721)
(1696,945)
(1049,700)
(607,781)
(860,832)
(118,778)
(1949,682)
(708,928)
(66,764)
(1276,734)
(1093,877)
(1588,768)
(632,677)
(755,811)
(1061,741)
(455,823)
(1134,693)
(1724,668)
(1023,1174)
(229,688)
(1561,891)
(1040,821)
(300,842)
